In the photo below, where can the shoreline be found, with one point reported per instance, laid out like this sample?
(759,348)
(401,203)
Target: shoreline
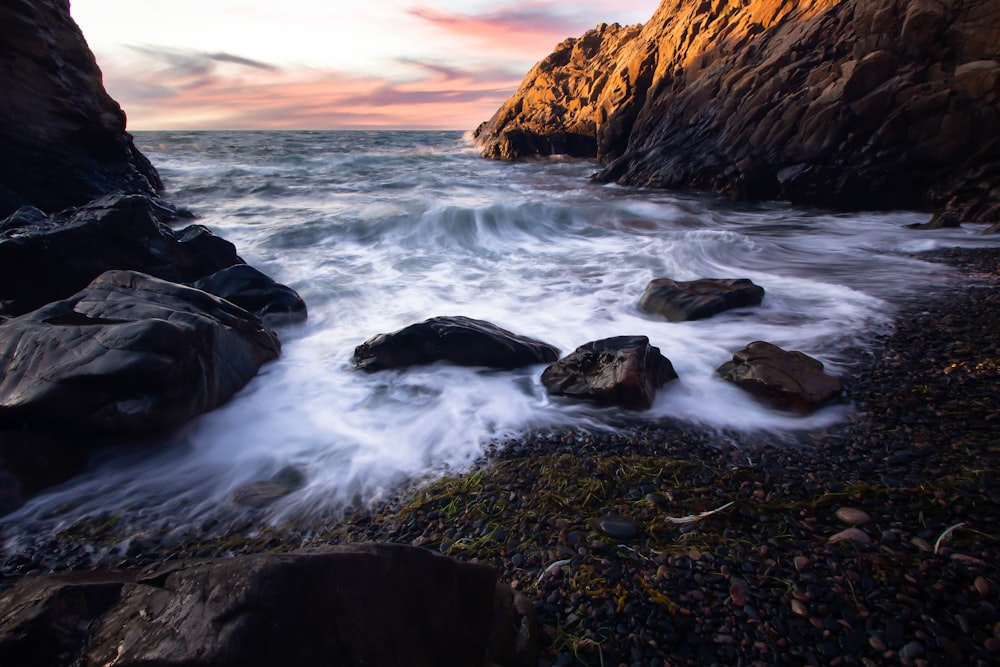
(759,581)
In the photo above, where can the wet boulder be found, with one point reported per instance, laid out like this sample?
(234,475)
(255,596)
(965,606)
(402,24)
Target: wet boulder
(697,299)
(129,353)
(789,380)
(44,258)
(256,292)
(353,605)
(457,340)
(624,371)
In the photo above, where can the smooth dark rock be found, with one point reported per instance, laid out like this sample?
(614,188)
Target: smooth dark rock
(850,104)
(130,353)
(624,371)
(264,492)
(31,462)
(791,380)
(358,605)
(457,340)
(45,258)
(251,290)
(62,138)
(697,299)
(618,527)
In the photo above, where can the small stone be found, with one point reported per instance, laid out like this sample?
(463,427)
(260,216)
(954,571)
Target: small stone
(657,499)
(921,544)
(992,645)
(877,644)
(800,563)
(911,651)
(618,527)
(852,516)
(694,555)
(855,535)
(982,586)
(799,608)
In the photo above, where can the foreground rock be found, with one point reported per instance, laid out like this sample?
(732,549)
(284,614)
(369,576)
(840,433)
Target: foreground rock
(791,380)
(130,353)
(380,605)
(624,371)
(48,257)
(457,340)
(62,137)
(842,103)
(698,299)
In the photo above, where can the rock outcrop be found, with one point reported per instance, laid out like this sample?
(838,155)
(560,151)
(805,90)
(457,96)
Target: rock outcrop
(789,380)
(842,103)
(62,138)
(457,340)
(680,301)
(129,353)
(386,605)
(624,371)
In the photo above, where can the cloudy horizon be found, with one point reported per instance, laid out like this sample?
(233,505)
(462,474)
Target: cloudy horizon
(385,64)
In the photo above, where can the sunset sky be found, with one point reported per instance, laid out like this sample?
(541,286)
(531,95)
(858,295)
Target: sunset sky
(321,64)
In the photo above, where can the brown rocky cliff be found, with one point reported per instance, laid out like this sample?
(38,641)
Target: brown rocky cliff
(62,138)
(844,103)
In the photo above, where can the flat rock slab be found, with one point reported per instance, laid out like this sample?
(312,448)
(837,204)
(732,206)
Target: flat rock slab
(789,380)
(623,370)
(457,340)
(386,605)
(130,353)
(697,299)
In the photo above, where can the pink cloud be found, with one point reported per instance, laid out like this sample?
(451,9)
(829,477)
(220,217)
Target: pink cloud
(170,89)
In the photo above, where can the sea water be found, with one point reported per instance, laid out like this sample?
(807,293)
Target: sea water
(378,230)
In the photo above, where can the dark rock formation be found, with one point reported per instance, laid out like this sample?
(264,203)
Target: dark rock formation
(251,290)
(790,380)
(385,605)
(62,138)
(45,258)
(457,340)
(624,371)
(842,103)
(129,353)
(698,299)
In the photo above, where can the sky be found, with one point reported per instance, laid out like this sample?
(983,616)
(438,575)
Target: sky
(327,64)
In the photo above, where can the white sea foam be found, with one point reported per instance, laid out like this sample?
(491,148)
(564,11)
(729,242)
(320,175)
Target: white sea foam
(379,230)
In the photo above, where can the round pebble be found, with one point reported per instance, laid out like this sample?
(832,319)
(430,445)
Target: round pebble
(618,527)
(855,535)
(852,516)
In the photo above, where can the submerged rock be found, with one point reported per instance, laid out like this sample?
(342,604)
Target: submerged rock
(697,299)
(624,371)
(457,340)
(386,605)
(852,104)
(62,137)
(791,380)
(129,353)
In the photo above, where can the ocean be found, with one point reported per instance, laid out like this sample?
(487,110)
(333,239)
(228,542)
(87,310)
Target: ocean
(378,230)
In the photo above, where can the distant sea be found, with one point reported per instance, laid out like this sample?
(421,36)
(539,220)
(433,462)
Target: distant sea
(377,230)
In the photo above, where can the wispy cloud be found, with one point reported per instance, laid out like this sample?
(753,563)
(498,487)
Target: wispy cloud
(168,88)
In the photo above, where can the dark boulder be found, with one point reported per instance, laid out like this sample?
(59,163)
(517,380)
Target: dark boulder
(129,353)
(62,137)
(790,380)
(48,257)
(698,299)
(385,605)
(32,461)
(457,340)
(251,290)
(624,371)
